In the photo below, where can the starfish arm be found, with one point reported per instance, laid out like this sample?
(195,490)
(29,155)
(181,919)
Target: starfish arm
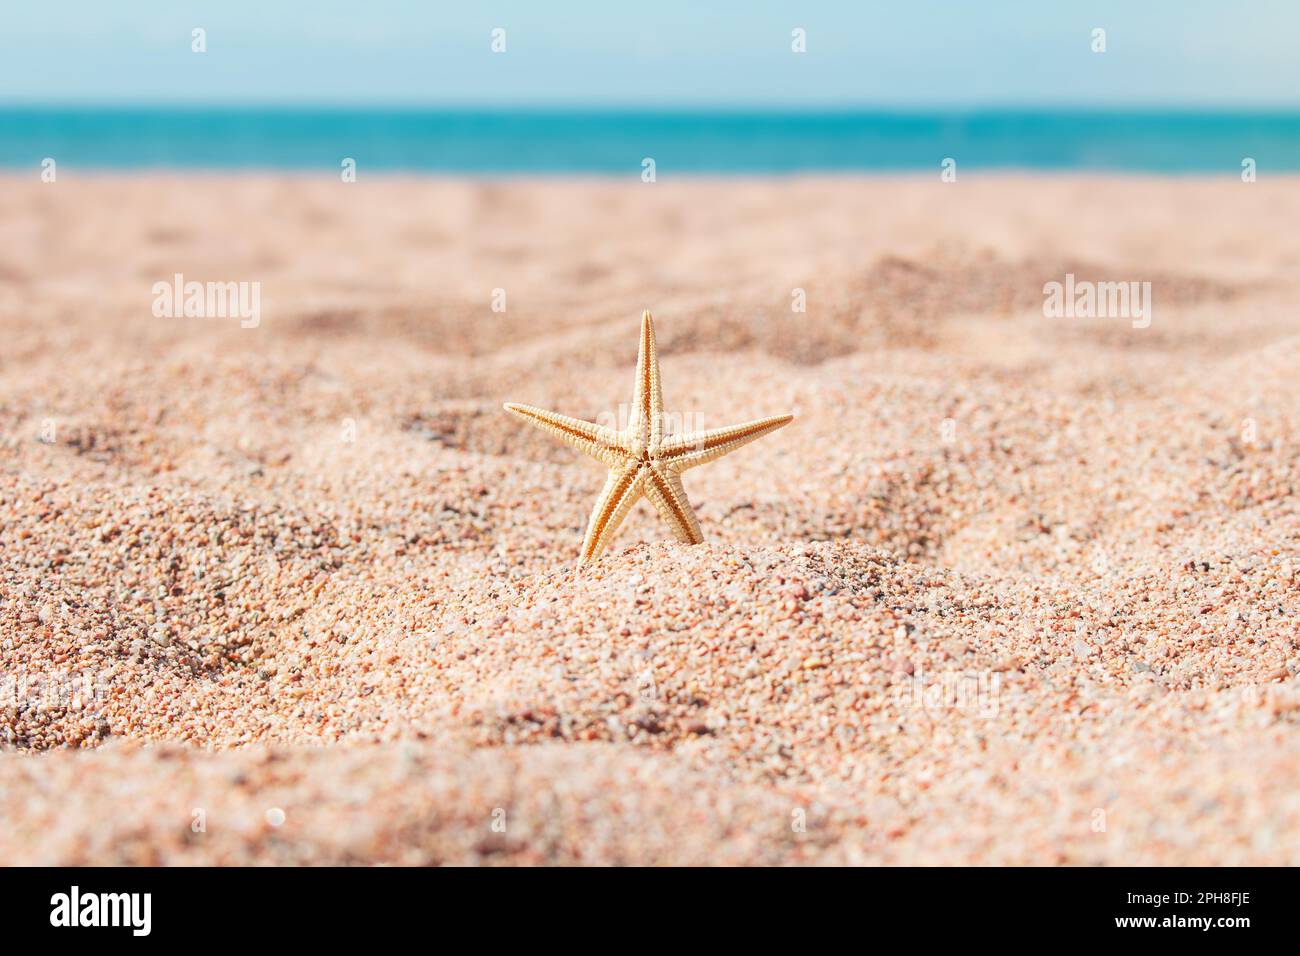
(686,451)
(600,443)
(665,492)
(646,420)
(622,488)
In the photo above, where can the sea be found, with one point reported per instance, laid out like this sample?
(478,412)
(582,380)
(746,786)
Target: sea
(619,142)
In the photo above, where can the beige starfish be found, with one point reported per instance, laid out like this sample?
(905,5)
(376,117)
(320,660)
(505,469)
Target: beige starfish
(643,460)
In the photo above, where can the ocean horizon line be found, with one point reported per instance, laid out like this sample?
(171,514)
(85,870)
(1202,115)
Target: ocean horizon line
(660,141)
(1226,110)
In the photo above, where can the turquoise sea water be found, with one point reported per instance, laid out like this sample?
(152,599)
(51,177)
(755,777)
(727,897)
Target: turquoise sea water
(615,143)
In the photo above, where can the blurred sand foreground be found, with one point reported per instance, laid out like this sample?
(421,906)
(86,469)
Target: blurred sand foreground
(1011,589)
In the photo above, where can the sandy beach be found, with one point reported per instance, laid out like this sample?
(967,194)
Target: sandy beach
(1011,589)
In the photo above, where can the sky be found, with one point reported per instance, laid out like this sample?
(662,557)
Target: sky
(674,53)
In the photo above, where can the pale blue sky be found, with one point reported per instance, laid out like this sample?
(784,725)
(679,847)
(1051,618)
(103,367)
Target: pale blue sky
(906,53)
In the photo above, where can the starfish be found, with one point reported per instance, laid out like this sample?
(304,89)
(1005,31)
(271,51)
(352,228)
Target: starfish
(642,460)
